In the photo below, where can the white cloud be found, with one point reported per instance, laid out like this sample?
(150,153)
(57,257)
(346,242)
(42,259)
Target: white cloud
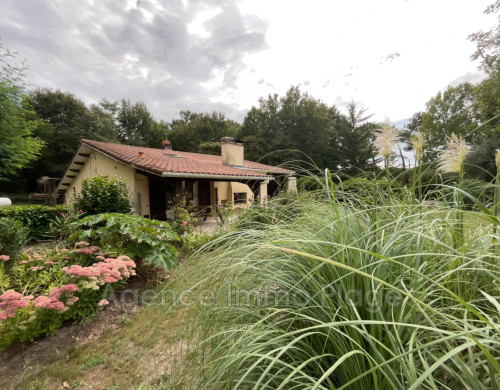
(390,55)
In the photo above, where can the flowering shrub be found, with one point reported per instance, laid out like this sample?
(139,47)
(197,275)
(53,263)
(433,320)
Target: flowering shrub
(55,289)
(54,302)
(108,271)
(183,221)
(10,302)
(141,237)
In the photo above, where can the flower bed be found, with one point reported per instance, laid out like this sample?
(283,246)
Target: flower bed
(40,291)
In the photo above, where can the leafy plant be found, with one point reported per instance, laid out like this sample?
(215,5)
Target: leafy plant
(184,221)
(140,237)
(61,227)
(124,321)
(102,194)
(38,220)
(195,240)
(13,236)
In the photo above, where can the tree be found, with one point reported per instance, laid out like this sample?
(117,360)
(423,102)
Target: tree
(357,153)
(100,124)
(449,112)
(18,146)
(136,126)
(295,127)
(480,161)
(488,44)
(68,118)
(201,133)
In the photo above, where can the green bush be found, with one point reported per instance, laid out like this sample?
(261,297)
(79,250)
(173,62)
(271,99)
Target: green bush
(140,237)
(13,236)
(310,183)
(272,212)
(102,194)
(37,219)
(367,190)
(193,241)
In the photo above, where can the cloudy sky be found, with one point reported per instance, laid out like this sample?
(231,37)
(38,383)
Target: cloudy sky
(389,55)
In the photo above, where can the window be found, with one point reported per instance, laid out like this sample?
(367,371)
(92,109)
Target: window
(240,197)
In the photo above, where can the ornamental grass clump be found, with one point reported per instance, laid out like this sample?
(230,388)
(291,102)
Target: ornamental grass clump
(330,299)
(417,143)
(451,160)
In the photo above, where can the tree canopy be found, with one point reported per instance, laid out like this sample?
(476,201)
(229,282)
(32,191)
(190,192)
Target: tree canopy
(18,146)
(201,133)
(295,127)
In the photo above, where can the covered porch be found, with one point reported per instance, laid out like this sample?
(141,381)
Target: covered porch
(156,196)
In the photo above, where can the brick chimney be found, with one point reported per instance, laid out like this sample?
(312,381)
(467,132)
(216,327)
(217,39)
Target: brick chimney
(167,145)
(232,151)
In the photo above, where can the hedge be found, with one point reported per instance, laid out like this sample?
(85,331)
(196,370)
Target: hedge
(36,219)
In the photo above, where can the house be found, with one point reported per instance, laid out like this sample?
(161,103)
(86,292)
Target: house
(159,178)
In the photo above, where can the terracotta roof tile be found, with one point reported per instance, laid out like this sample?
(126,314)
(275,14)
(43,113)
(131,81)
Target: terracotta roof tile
(160,160)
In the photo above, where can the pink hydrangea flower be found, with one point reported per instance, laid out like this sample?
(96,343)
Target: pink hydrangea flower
(4,258)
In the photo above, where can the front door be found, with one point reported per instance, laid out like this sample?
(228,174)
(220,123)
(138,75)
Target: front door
(204,193)
(160,192)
